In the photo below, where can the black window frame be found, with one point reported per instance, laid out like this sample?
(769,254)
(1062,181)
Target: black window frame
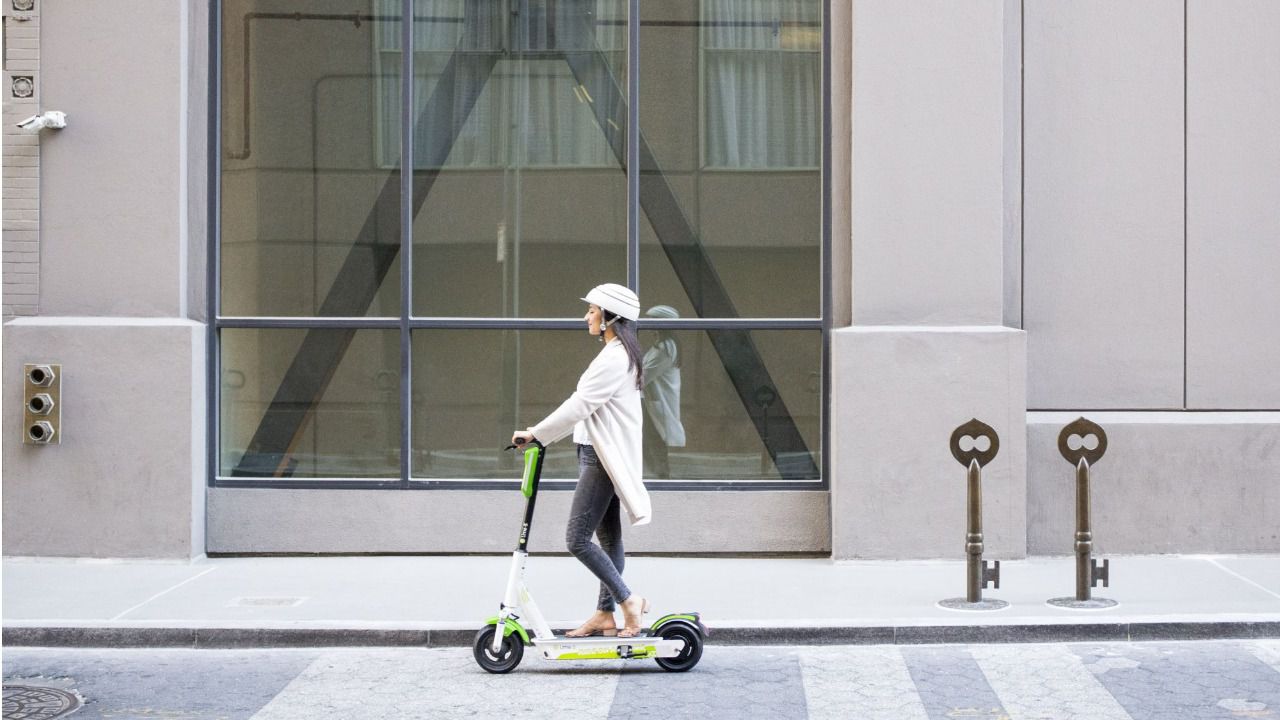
(407,323)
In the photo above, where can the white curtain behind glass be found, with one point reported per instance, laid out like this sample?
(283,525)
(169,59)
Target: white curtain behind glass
(762,83)
(528,113)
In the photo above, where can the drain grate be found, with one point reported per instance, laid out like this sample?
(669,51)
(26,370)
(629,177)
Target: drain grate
(30,702)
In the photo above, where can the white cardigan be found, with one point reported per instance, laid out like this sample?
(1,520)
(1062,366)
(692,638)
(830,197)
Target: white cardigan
(607,403)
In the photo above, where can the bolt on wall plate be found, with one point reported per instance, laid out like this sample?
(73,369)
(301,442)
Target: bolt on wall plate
(42,404)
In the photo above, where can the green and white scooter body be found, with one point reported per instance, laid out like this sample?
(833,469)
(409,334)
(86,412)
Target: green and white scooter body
(518,605)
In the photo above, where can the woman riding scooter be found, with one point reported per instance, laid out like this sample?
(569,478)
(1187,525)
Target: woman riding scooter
(605,416)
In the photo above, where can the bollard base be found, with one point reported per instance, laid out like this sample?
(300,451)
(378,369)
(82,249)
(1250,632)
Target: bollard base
(985,604)
(1090,604)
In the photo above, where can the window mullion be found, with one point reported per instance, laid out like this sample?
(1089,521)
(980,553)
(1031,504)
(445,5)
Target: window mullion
(633,145)
(406,237)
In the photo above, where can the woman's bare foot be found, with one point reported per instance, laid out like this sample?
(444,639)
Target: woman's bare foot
(601,623)
(632,610)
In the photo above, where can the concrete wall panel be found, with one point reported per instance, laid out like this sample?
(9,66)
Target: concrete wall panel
(1168,483)
(114,176)
(127,479)
(1233,204)
(1103,203)
(264,520)
(927,179)
(898,393)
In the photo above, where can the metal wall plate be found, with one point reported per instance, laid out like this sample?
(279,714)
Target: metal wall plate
(41,404)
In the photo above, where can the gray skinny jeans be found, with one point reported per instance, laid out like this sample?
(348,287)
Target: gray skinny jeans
(596,510)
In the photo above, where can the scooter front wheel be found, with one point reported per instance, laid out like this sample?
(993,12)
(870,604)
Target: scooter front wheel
(507,657)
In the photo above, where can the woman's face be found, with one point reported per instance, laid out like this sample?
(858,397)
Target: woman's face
(593,319)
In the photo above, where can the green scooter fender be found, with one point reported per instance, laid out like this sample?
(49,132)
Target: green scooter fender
(693,620)
(510,627)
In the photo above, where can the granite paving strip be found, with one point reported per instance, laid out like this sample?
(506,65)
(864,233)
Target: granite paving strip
(189,684)
(951,685)
(1268,651)
(740,683)
(869,683)
(1185,681)
(1045,682)
(395,684)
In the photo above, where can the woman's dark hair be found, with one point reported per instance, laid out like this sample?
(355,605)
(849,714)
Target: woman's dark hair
(626,332)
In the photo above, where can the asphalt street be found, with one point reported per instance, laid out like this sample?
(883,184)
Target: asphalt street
(1085,681)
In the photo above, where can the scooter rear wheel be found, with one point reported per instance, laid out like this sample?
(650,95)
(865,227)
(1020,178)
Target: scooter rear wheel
(691,653)
(507,657)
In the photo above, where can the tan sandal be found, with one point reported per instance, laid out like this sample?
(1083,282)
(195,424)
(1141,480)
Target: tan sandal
(628,629)
(588,629)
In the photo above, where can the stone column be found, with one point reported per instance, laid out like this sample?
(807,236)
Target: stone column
(120,279)
(934,226)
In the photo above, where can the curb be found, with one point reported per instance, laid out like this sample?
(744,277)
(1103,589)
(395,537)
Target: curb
(242,638)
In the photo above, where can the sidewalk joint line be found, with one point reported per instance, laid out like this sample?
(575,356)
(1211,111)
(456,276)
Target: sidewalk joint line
(165,592)
(1229,571)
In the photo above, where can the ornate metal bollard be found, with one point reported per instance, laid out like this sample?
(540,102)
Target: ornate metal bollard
(979,575)
(1088,572)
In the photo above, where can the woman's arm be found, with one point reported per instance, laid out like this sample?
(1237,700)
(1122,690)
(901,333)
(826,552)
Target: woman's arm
(601,380)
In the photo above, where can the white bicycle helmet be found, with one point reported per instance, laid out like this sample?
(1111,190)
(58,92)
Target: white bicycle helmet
(617,299)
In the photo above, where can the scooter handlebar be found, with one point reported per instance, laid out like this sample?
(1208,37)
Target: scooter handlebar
(534,442)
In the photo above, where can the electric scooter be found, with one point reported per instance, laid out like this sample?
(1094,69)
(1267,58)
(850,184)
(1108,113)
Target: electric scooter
(674,641)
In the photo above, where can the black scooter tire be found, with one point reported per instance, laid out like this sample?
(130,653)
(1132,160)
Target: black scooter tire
(691,653)
(507,658)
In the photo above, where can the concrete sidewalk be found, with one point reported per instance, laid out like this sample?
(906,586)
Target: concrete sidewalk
(441,600)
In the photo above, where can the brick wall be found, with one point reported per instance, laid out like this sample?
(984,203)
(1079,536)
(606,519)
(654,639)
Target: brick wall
(21,182)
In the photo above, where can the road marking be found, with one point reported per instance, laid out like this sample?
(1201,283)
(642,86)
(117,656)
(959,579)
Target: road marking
(1045,682)
(868,683)
(1268,651)
(1237,575)
(165,592)
(443,683)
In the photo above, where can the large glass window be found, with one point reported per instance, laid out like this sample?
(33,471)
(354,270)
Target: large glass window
(387,329)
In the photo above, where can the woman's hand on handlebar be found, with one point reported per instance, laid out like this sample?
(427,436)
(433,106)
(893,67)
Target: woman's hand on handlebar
(521,437)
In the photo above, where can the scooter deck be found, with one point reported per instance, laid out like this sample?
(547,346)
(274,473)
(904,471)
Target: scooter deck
(561,637)
(607,647)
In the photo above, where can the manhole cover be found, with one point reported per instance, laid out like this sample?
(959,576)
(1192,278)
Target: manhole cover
(28,702)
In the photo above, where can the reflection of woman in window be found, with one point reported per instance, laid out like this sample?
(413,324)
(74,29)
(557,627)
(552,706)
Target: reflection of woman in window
(662,396)
(605,417)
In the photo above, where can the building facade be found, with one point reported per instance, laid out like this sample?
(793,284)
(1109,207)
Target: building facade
(852,227)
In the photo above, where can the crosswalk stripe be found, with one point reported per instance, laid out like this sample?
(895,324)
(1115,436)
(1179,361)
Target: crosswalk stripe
(417,683)
(1045,682)
(1195,679)
(1268,651)
(869,683)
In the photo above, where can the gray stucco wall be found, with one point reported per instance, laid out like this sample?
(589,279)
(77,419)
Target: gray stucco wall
(928,182)
(127,478)
(1233,204)
(1102,209)
(898,393)
(927,352)
(254,520)
(929,251)
(116,277)
(111,236)
(1168,483)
